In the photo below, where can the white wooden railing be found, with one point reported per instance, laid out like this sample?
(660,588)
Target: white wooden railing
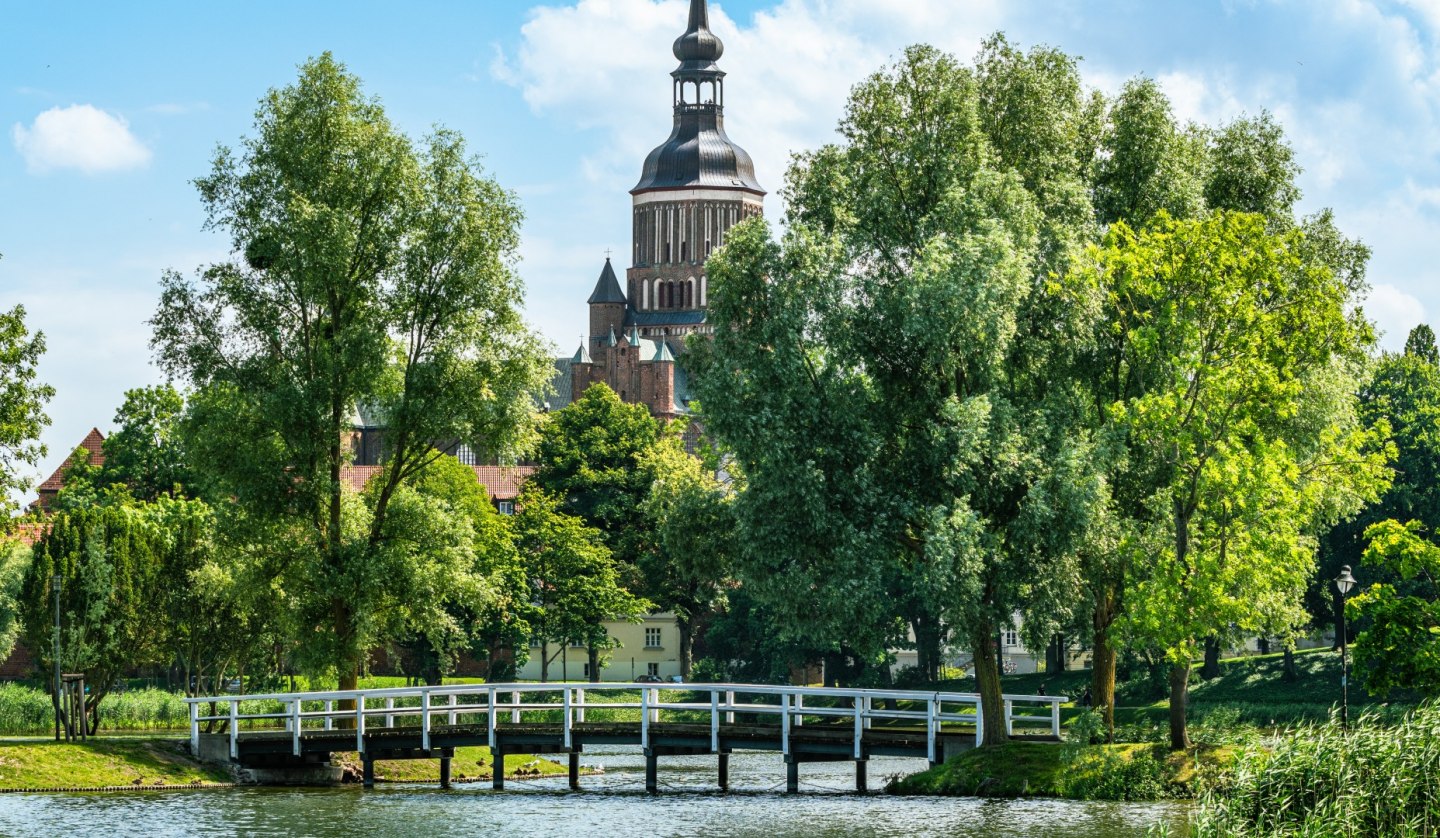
(317,710)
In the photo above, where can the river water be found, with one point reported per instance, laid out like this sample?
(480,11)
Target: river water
(614,803)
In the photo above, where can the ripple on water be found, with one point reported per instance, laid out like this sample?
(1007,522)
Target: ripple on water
(613,804)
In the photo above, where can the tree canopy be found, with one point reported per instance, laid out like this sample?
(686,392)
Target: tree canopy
(22,407)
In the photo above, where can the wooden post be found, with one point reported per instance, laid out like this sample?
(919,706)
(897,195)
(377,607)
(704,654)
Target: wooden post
(574,770)
(792,775)
(497,769)
(652,771)
(444,772)
(724,770)
(862,780)
(368,766)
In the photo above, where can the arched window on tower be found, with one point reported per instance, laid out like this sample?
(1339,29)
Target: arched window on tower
(684,251)
(667,252)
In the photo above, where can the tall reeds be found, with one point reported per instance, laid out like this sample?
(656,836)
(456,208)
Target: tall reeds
(1375,779)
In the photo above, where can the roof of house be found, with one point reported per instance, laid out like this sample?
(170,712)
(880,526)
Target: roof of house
(92,443)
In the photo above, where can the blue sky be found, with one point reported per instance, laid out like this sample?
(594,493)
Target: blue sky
(109,110)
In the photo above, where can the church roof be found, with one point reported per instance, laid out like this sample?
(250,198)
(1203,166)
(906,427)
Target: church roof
(698,153)
(664,318)
(607,288)
(561,383)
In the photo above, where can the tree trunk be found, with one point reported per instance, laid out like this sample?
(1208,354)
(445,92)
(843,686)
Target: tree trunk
(987,680)
(1102,673)
(1179,698)
(1055,654)
(927,646)
(593,653)
(686,628)
(1211,669)
(544,661)
(1289,671)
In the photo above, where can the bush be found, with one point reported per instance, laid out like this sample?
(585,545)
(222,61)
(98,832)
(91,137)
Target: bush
(1374,779)
(1087,729)
(27,711)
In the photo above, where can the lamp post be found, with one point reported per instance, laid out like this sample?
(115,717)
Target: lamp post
(55,588)
(1343,583)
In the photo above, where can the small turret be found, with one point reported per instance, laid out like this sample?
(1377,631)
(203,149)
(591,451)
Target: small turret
(607,303)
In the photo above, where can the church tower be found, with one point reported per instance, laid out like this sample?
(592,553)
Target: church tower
(693,189)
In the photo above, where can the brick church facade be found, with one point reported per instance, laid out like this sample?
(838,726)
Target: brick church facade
(693,189)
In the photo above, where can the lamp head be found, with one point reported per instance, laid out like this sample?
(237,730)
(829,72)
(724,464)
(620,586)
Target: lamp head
(1344,582)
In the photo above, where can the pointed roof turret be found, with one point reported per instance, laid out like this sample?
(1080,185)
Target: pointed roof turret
(582,356)
(607,289)
(664,355)
(611,341)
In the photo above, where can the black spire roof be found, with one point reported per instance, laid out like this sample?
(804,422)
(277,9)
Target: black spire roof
(607,288)
(698,153)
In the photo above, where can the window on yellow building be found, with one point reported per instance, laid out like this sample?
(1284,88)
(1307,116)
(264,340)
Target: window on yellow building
(652,638)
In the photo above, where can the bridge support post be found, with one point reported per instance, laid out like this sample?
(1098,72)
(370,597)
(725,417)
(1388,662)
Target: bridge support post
(724,771)
(445,772)
(574,770)
(652,771)
(367,767)
(792,774)
(497,769)
(862,779)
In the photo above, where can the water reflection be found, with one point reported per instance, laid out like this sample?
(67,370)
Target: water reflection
(612,804)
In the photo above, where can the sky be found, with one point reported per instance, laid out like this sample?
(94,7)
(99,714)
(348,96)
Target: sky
(109,111)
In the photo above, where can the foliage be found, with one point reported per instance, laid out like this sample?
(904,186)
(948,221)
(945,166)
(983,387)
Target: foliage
(592,456)
(881,373)
(1374,779)
(689,509)
(1399,647)
(1240,431)
(14,563)
(573,583)
(146,451)
(376,276)
(22,406)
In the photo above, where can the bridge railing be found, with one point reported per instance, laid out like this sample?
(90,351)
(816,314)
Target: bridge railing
(381,709)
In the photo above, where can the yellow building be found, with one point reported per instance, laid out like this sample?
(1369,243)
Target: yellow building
(651,647)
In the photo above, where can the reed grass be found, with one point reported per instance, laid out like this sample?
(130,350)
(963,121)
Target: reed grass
(1376,779)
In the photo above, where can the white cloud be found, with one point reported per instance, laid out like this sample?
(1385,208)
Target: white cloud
(794,65)
(79,137)
(1395,313)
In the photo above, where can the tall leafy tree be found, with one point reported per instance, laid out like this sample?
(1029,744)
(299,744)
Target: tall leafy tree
(592,456)
(14,562)
(688,564)
(146,451)
(22,407)
(881,373)
(1242,448)
(572,577)
(374,273)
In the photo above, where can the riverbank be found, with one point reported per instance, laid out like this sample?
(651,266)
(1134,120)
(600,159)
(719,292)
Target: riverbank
(132,763)
(1126,772)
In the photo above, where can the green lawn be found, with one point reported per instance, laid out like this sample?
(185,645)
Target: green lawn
(469,764)
(101,762)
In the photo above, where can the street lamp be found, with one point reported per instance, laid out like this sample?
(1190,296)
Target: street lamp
(55,588)
(1343,583)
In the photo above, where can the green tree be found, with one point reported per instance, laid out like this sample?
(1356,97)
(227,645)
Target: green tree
(1240,428)
(1147,162)
(14,562)
(109,559)
(881,374)
(375,273)
(573,582)
(1400,645)
(22,407)
(591,456)
(686,569)
(1420,345)
(146,451)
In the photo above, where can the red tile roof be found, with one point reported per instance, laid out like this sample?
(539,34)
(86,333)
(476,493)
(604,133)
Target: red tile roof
(500,482)
(92,443)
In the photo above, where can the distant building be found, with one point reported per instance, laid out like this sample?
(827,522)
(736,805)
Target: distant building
(93,443)
(693,189)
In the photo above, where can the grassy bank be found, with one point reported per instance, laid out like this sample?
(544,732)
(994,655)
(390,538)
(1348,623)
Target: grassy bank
(1089,772)
(469,764)
(45,765)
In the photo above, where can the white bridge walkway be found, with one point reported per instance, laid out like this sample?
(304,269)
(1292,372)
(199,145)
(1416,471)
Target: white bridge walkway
(803,724)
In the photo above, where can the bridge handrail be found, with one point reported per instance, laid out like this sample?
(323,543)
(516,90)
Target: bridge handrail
(791,708)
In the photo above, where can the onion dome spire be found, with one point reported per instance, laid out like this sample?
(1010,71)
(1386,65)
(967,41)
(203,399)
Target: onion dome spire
(699,44)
